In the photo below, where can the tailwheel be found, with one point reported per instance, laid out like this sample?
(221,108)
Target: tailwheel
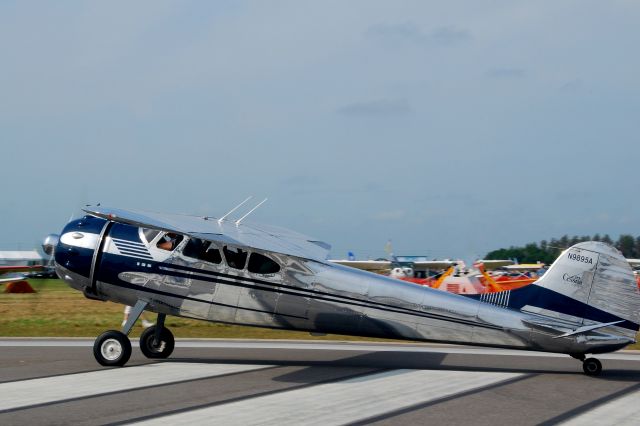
(112,349)
(160,346)
(592,367)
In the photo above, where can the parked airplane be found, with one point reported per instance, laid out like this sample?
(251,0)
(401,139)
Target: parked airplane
(449,275)
(232,272)
(414,271)
(20,265)
(9,274)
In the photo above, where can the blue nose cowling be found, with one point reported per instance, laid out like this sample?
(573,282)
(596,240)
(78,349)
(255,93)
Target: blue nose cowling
(78,259)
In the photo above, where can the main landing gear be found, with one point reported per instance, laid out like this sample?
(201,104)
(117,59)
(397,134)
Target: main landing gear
(157,341)
(590,366)
(113,348)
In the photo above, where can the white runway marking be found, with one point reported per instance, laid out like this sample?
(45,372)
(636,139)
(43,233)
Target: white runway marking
(341,402)
(51,389)
(621,411)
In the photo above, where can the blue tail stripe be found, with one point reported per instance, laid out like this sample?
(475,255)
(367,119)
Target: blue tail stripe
(544,298)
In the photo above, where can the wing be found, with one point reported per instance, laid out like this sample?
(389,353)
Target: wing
(635,263)
(11,279)
(20,270)
(263,237)
(524,267)
(494,264)
(7,269)
(366,265)
(433,264)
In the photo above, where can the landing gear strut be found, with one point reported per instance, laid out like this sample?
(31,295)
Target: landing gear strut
(113,348)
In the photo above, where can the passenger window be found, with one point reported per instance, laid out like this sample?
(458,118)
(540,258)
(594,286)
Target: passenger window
(169,241)
(149,234)
(259,264)
(202,250)
(236,258)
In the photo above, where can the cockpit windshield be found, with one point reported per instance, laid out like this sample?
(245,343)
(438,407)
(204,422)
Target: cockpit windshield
(149,234)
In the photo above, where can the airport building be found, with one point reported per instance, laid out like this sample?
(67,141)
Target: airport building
(20,258)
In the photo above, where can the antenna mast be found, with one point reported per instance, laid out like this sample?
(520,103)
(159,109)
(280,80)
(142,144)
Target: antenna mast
(232,210)
(250,211)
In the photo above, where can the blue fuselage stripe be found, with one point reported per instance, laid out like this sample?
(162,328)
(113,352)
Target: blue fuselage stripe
(238,281)
(540,297)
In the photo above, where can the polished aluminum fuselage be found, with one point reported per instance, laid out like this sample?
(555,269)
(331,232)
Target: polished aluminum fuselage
(318,297)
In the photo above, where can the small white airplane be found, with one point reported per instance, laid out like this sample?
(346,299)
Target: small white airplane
(234,272)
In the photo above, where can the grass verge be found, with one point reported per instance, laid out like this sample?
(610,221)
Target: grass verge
(57,310)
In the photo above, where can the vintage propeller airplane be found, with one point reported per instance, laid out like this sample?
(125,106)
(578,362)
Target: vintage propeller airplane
(235,272)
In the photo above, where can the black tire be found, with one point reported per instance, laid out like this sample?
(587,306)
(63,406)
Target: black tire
(165,347)
(592,367)
(112,349)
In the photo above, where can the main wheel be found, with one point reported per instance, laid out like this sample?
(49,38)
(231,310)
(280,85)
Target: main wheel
(165,345)
(112,348)
(592,367)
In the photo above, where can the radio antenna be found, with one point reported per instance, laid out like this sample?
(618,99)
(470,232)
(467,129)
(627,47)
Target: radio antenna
(249,212)
(232,210)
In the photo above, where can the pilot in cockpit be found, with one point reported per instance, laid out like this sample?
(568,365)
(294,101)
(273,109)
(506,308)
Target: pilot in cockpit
(169,241)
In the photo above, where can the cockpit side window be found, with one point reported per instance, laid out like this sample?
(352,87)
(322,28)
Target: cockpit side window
(169,241)
(202,250)
(149,234)
(260,264)
(236,258)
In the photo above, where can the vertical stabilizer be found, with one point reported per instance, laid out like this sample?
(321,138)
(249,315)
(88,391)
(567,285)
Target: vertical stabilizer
(598,277)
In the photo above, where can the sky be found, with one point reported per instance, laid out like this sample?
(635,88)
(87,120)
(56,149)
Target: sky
(452,128)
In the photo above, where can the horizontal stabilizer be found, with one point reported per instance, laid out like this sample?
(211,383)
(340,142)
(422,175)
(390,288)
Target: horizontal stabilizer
(586,328)
(561,328)
(549,326)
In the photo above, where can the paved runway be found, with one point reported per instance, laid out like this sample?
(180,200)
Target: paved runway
(57,381)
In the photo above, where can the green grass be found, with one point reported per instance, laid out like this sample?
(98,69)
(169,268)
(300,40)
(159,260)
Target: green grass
(57,310)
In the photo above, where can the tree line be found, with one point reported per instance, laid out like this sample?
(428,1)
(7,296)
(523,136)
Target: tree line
(548,251)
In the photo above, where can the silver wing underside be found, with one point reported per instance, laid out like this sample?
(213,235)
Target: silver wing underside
(262,237)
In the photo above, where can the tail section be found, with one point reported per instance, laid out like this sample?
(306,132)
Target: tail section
(591,283)
(598,275)
(573,272)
